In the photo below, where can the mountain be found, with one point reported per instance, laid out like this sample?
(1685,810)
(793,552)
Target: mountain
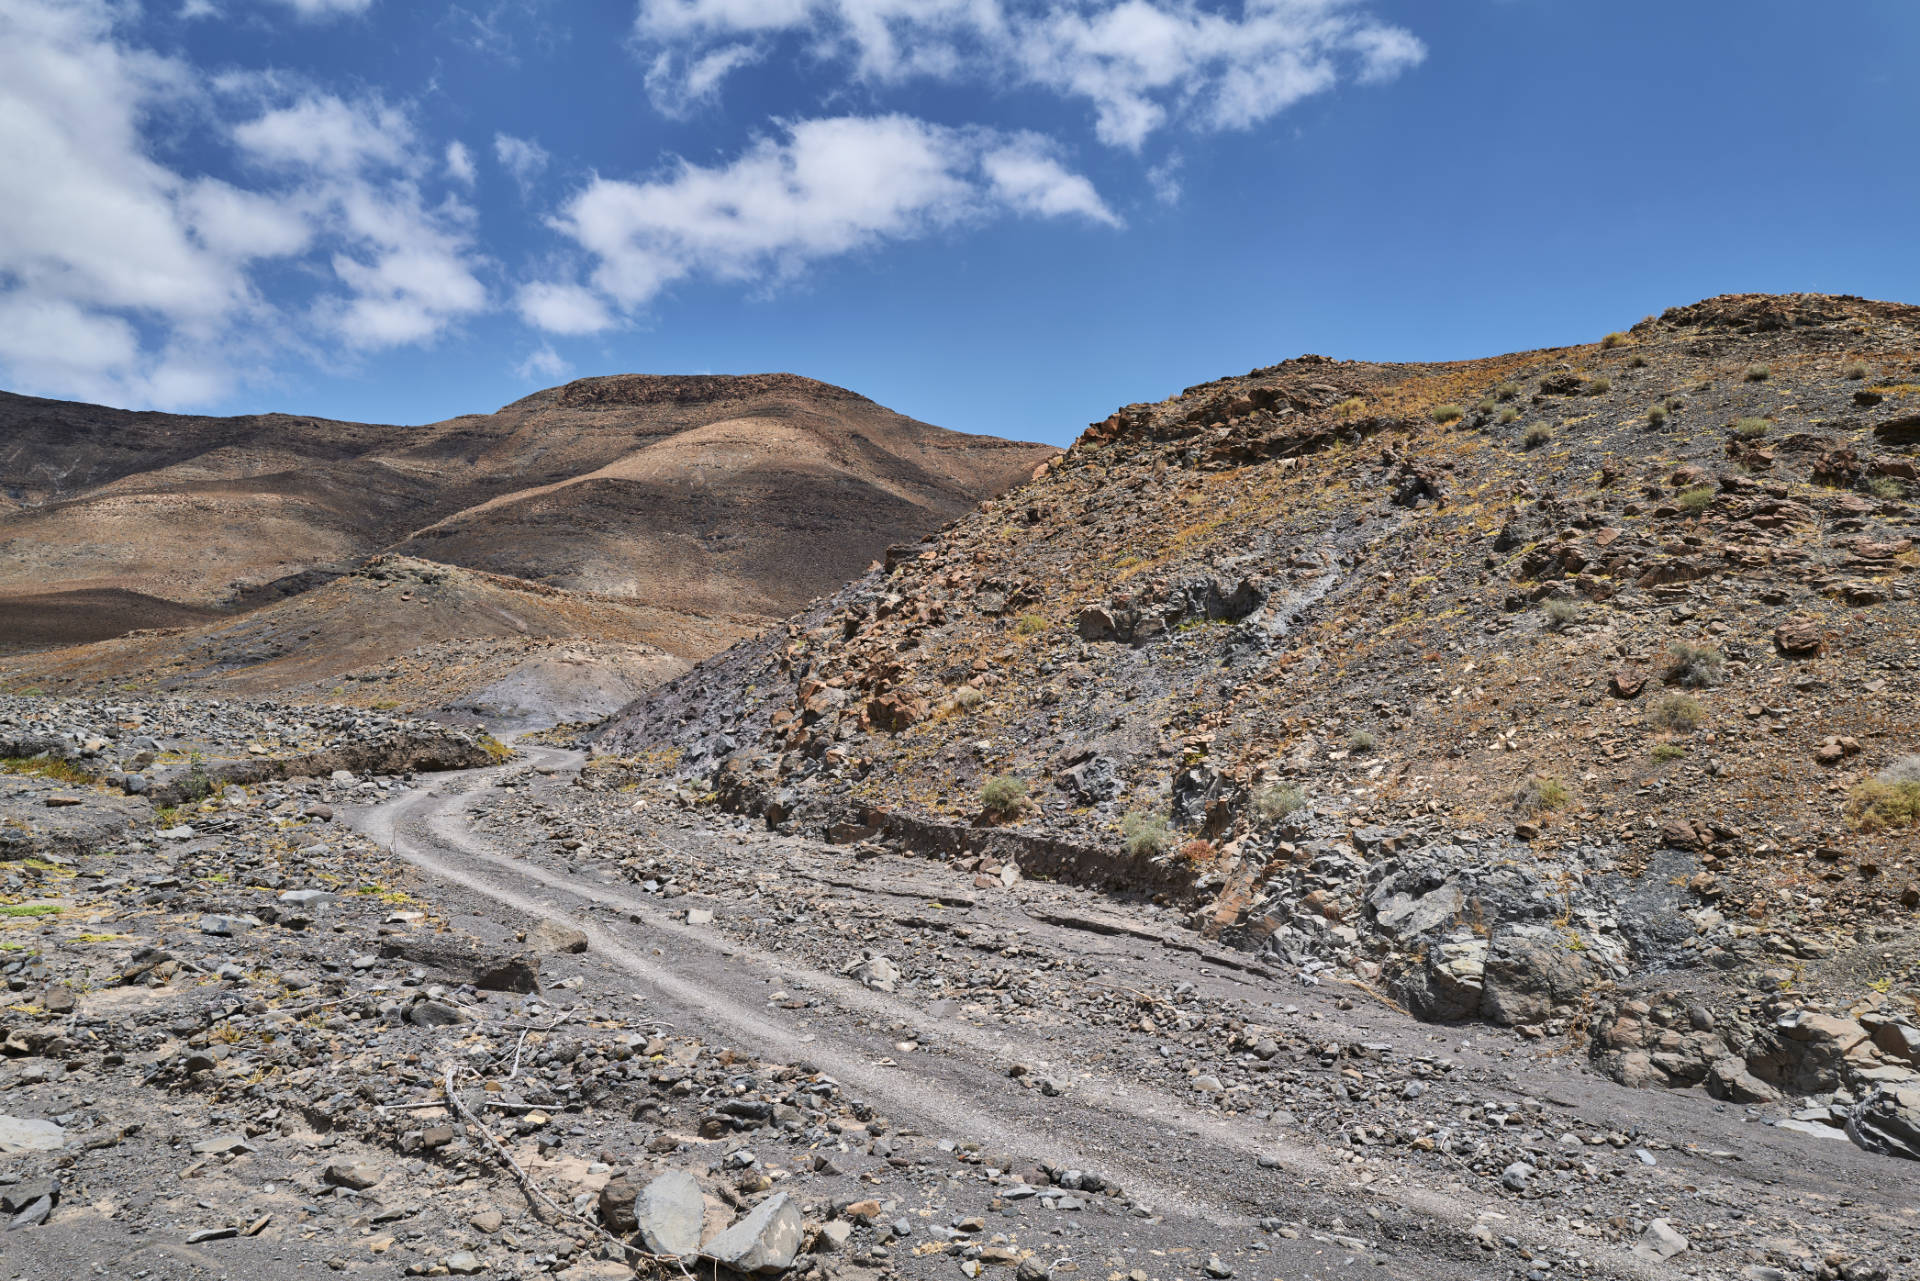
(713,504)
(1496,686)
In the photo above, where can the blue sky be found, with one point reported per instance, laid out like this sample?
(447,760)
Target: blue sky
(1006,216)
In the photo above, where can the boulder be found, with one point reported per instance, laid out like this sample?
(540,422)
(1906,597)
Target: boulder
(1528,970)
(1805,1052)
(1887,1121)
(670,1213)
(552,936)
(765,1241)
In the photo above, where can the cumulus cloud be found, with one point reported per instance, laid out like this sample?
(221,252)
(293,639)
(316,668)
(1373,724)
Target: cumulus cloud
(561,308)
(127,280)
(524,158)
(828,187)
(1140,65)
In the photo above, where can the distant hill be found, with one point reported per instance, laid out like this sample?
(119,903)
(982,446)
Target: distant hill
(726,502)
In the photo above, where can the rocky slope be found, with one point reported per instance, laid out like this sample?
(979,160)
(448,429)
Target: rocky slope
(1569,690)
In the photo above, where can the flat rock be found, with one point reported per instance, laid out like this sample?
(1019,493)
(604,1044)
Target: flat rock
(670,1212)
(765,1241)
(23,1134)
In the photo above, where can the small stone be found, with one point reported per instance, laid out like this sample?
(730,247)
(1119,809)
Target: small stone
(1659,1241)
(358,1175)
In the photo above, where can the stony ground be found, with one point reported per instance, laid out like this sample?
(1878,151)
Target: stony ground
(233,1024)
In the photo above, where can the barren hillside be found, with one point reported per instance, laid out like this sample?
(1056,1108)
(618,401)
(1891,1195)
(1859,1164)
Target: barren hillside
(1496,686)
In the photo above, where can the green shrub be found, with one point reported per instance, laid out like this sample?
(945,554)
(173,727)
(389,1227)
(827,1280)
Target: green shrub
(968,697)
(1271,804)
(1664,752)
(1613,340)
(1636,362)
(1509,415)
(1885,488)
(1145,835)
(1541,794)
(1657,416)
(1751,428)
(47,767)
(1507,391)
(1890,798)
(1676,712)
(1486,406)
(1674,404)
(1856,370)
(1004,795)
(1449,413)
(1561,612)
(1360,742)
(1537,435)
(1694,666)
(1030,625)
(1599,385)
(1696,500)
(1349,408)
(1759,373)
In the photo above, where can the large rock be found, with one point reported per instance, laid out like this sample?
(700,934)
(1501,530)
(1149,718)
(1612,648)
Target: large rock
(552,936)
(1403,916)
(765,1241)
(24,1134)
(1887,1121)
(1449,987)
(670,1213)
(1529,969)
(1807,1052)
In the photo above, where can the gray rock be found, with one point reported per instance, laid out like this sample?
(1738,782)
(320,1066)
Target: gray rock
(1658,1240)
(670,1212)
(1887,1121)
(1528,970)
(23,1134)
(221,1145)
(765,1241)
(1405,916)
(1517,1176)
(33,1215)
(1729,1079)
(435,1014)
(358,1175)
(875,971)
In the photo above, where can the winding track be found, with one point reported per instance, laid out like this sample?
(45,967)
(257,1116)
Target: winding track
(1199,1172)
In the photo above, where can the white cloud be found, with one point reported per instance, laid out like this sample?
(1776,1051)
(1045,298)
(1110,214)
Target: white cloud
(325,133)
(563,308)
(524,158)
(407,266)
(543,364)
(313,9)
(126,280)
(677,85)
(1025,176)
(1139,64)
(460,164)
(830,187)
